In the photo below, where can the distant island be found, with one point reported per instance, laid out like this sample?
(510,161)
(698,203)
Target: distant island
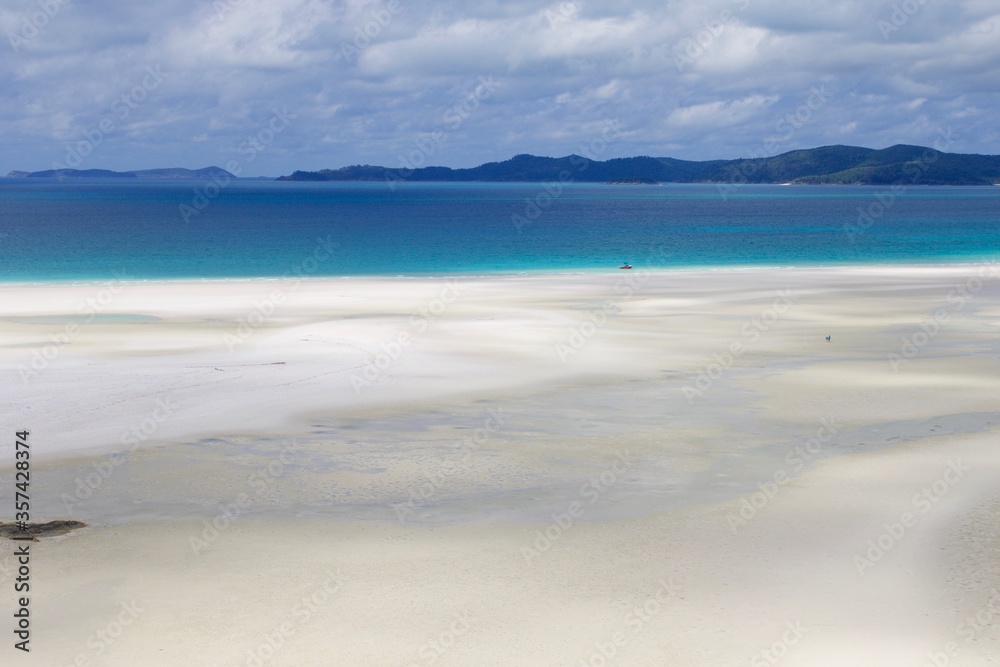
(641,180)
(842,165)
(170,172)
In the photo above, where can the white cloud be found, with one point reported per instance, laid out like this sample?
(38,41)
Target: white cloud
(721,113)
(565,68)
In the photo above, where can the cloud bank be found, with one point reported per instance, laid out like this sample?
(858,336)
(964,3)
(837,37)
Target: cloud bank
(370,81)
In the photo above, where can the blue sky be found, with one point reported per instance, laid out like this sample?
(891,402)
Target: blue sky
(275,86)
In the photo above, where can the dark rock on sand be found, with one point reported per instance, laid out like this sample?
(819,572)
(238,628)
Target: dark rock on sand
(36,530)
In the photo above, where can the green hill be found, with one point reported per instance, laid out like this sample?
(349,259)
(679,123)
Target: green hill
(170,172)
(849,165)
(828,164)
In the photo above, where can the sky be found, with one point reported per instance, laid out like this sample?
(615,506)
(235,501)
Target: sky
(271,86)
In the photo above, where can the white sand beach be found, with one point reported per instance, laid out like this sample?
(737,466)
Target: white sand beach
(632,468)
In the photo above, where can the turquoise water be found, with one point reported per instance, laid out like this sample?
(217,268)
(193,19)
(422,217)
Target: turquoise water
(95,230)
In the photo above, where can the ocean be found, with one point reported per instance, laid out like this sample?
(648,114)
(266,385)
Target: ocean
(98,230)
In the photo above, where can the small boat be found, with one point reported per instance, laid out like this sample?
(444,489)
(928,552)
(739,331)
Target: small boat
(625,266)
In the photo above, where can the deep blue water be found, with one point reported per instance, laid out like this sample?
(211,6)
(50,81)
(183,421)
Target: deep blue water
(83,231)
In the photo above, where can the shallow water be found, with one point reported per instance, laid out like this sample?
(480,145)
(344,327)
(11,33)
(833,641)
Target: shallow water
(112,230)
